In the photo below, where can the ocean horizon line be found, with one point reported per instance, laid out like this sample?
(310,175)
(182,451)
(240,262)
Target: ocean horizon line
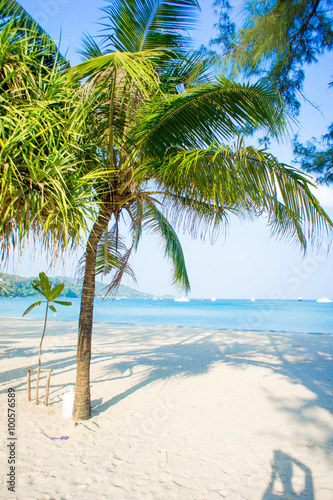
(262,315)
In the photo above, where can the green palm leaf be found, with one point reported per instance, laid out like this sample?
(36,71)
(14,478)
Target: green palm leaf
(207,114)
(110,258)
(56,291)
(203,186)
(139,67)
(137,25)
(156,223)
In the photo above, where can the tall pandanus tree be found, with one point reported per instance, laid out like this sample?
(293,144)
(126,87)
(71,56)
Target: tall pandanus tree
(16,23)
(43,143)
(167,124)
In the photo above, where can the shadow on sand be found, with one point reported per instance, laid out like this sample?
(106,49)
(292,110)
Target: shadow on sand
(184,358)
(189,352)
(307,363)
(284,469)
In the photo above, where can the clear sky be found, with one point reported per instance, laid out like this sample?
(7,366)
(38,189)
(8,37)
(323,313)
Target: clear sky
(247,263)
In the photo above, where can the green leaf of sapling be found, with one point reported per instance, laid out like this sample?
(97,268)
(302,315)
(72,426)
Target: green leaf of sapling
(38,289)
(56,291)
(45,283)
(32,306)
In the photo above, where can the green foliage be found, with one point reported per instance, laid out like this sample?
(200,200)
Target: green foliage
(41,193)
(154,106)
(13,14)
(276,40)
(247,182)
(111,135)
(317,157)
(135,25)
(43,287)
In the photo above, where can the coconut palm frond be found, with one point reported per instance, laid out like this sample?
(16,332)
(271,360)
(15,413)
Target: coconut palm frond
(155,222)
(91,48)
(121,267)
(193,69)
(139,67)
(207,114)
(138,25)
(210,183)
(110,258)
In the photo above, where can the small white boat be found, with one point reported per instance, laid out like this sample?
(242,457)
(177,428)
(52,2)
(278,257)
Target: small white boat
(213,299)
(253,299)
(300,299)
(182,299)
(324,299)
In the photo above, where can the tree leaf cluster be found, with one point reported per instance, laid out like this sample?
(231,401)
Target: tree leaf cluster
(276,40)
(317,157)
(44,287)
(41,195)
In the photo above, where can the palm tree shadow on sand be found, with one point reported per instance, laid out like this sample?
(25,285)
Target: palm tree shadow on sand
(184,359)
(197,354)
(284,468)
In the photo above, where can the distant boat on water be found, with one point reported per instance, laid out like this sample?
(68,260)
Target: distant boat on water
(213,299)
(324,299)
(300,299)
(182,299)
(253,299)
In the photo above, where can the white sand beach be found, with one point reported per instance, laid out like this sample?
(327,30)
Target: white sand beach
(178,413)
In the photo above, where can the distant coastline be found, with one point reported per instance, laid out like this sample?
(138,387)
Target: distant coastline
(17,286)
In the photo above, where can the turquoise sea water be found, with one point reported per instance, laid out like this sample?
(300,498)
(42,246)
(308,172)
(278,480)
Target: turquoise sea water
(288,316)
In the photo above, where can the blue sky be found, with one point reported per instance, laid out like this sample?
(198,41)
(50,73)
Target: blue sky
(247,262)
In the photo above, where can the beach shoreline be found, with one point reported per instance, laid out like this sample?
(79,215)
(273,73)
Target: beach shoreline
(101,328)
(177,413)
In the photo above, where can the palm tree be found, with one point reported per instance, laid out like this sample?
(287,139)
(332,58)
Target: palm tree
(165,123)
(145,134)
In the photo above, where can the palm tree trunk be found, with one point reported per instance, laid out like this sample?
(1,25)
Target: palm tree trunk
(82,407)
